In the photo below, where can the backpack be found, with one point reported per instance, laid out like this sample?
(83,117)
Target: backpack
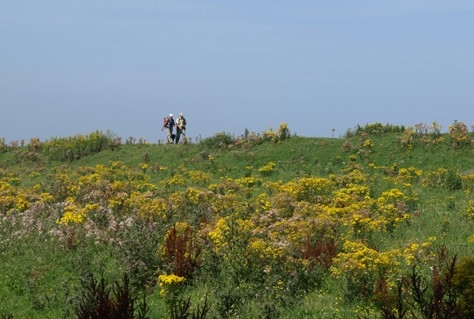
(167,122)
(181,120)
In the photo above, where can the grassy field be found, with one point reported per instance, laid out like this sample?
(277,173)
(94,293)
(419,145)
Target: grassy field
(378,224)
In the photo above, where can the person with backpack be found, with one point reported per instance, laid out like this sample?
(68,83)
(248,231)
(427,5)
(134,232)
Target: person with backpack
(180,127)
(168,123)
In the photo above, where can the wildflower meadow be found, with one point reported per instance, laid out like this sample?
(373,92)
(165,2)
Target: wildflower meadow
(378,223)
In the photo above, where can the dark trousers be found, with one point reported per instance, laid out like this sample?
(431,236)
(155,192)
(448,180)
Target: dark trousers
(170,134)
(179,132)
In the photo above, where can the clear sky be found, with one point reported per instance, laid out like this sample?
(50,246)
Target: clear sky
(71,67)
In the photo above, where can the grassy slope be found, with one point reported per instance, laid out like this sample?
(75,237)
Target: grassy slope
(299,155)
(295,157)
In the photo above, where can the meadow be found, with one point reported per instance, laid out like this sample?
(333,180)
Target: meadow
(375,224)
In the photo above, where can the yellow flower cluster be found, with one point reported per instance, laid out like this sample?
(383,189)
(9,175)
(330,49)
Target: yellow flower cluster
(199,177)
(468,182)
(248,181)
(175,180)
(410,174)
(470,210)
(12,197)
(46,198)
(144,167)
(266,170)
(194,195)
(309,188)
(419,252)
(74,214)
(260,248)
(146,205)
(356,257)
(435,178)
(367,143)
(170,279)
(227,227)
(169,284)
(262,203)
(22,202)
(227,204)
(218,235)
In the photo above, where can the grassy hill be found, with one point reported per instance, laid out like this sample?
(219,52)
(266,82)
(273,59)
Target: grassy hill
(265,226)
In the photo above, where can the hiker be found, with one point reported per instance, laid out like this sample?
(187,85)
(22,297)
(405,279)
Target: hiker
(180,127)
(168,123)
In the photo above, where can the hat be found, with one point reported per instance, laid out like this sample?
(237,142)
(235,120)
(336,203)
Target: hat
(181,114)
(171,115)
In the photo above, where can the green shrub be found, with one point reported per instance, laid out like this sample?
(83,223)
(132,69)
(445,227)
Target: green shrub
(375,129)
(219,140)
(453,181)
(78,146)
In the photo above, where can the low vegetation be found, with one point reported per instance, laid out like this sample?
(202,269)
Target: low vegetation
(377,224)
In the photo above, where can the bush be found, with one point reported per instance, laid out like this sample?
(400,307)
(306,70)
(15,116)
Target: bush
(219,140)
(78,146)
(375,129)
(459,135)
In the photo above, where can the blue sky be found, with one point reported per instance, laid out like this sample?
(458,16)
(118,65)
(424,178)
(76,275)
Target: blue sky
(73,67)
